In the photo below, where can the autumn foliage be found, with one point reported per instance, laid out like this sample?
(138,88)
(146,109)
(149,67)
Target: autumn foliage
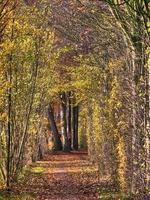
(75,75)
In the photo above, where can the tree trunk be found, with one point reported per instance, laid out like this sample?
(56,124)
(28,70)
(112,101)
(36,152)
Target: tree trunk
(147,124)
(75,127)
(66,146)
(69,119)
(23,142)
(91,142)
(9,138)
(139,124)
(56,135)
(9,124)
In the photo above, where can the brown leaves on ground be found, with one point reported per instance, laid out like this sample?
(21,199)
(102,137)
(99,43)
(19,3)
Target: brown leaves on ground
(62,176)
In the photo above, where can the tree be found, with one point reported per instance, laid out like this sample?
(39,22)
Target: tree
(56,135)
(135,34)
(24,61)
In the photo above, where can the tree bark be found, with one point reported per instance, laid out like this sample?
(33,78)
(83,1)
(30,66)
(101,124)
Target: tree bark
(66,146)
(69,119)
(56,135)
(75,127)
(9,124)
(9,136)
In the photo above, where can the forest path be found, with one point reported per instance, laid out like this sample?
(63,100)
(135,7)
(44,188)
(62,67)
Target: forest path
(62,176)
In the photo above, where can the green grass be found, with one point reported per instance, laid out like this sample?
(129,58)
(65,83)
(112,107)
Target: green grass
(109,194)
(15,197)
(30,169)
(37,170)
(24,173)
(113,196)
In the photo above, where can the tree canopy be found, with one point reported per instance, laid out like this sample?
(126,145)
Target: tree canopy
(76,75)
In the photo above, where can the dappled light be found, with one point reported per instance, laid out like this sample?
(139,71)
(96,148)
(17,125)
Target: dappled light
(54,180)
(74,99)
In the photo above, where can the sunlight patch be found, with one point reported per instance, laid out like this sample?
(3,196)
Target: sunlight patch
(38,170)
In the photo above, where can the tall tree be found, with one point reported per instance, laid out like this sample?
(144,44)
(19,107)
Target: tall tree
(132,18)
(66,144)
(56,135)
(75,127)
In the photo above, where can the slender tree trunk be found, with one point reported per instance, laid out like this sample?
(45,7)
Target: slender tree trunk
(56,135)
(69,119)
(29,110)
(75,127)
(147,124)
(9,135)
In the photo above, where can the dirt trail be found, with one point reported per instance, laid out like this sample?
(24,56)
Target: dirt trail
(62,177)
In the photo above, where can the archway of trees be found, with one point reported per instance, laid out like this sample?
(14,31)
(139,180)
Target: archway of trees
(76,75)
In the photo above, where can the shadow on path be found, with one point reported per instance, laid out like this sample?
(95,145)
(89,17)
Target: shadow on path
(62,176)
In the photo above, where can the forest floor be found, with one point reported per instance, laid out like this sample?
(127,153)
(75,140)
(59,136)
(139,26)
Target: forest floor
(62,176)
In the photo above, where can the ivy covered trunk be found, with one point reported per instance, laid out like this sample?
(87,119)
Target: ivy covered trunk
(139,121)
